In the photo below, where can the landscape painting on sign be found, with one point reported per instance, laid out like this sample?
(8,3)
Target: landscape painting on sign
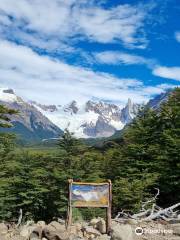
(83,195)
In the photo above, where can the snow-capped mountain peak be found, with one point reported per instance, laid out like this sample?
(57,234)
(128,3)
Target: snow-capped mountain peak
(71,107)
(129,111)
(8,95)
(91,119)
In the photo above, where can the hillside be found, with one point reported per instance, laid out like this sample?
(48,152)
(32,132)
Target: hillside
(29,124)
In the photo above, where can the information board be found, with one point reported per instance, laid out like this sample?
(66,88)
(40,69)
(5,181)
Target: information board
(88,195)
(83,194)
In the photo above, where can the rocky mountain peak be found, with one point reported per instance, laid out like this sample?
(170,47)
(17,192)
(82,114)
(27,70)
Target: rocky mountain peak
(158,100)
(90,105)
(101,107)
(48,108)
(129,103)
(129,111)
(10,91)
(8,95)
(71,107)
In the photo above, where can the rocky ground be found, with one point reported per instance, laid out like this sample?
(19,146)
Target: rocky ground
(96,229)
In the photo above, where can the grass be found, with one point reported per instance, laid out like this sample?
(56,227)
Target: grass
(38,149)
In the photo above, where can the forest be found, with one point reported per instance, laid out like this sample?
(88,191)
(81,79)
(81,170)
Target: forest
(145,157)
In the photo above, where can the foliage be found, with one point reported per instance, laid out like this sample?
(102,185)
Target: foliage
(6,139)
(6,145)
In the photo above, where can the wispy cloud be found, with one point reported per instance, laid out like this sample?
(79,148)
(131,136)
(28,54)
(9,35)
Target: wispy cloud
(177,36)
(32,74)
(118,58)
(68,20)
(167,72)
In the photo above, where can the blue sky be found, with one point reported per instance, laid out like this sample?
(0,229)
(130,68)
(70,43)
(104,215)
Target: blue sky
(60,50)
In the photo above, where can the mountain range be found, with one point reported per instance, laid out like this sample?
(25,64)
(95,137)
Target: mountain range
(91,119)
(37,121)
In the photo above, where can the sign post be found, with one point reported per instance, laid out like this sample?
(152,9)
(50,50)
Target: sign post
(96,195)
(108,210)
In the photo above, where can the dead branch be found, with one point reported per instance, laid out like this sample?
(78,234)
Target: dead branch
(144,204)
(161,213)
(153,213)
(20,218)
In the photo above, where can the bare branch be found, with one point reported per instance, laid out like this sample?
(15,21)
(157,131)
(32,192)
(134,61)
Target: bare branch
(20,218)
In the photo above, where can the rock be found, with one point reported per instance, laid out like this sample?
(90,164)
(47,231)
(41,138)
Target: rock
(173,221)
(41,224)
(50,233)
(3,228)
(26,231)
(176,228)
(17,238)
(62,221)
(3,237)
(74,230)
(131,221)
(57,226)
(76,238)
(53,235)
(78,226)
(122,232)
(36,233)
(93,222)
(101,226)
(104,237)
(90,231)
(30,223)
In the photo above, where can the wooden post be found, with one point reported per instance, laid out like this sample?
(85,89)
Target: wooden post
(108,210)
(69,215)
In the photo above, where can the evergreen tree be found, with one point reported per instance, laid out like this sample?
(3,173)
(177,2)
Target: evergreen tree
(6,145)
(169,149)
(6,139)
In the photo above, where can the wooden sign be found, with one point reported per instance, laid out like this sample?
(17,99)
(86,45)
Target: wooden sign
(90,195)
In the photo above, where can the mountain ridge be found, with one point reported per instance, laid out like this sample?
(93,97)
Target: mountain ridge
(28,123)
(91,119)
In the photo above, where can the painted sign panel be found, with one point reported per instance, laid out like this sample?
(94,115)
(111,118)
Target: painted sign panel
(89,195)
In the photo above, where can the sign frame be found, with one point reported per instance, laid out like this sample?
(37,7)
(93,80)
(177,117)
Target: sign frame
(106,206)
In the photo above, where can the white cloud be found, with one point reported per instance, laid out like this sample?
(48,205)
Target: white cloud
(47,44)
(177,36)
(48,80)
(65,20)
(153,90)
(55,26)
(117,24)
(117,58)
(167,72)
